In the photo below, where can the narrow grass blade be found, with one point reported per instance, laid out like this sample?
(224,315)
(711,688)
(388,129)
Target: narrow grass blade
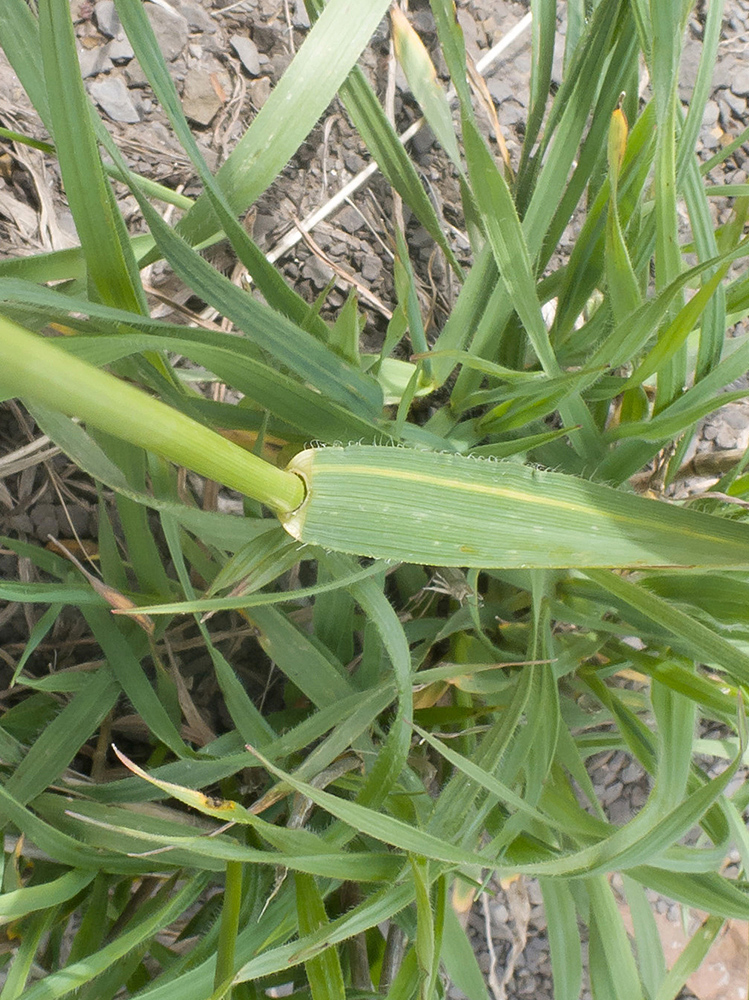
(696,639)
(459,959)
(150,921)
(507,241)
(650,959)
(324,973)
(62,739)
(690,959)
(124,660)
(374,910)
(709,891)
(613,971)
(101,229)
(17,904)
(230,915)
(422,79)
(564,939)
(382,827)
(19,972)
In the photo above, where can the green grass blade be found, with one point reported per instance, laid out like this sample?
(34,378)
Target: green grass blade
(613,971)
(17,904)
(101,230)
(690,959)
(695,638)
(422,79)
(507,241)
(150,921)
(124,661)
(459,959)
(564,939)
(62,739)
(324,973)
(296,103)
(464,512)
(650,959)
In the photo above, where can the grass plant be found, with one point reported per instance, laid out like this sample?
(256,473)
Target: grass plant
(450,600)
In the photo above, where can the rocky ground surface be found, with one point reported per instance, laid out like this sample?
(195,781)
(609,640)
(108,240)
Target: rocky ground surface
(226,57)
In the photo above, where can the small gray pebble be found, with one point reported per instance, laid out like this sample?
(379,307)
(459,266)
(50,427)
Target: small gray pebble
(317,272)
(112,96)
(247,52)
(120,50)
(107,20)
(371,268)
(300,17)
(78,518)
(620,812)
(94,61)
(710,114)
(354,162)
(21,522)
(170,28)
(739,83)
(612,793)
(349,220)
(631,772)
(639,797)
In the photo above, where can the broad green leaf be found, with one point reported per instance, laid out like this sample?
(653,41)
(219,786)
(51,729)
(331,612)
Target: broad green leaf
(449,510)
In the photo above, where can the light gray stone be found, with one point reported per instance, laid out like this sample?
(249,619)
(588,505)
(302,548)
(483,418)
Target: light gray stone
(113,98)
(710,114)
(735,103)
(259,91)
(170,28)
(739,83)
(317,272)
(197,18)
(120,49)
(135,75)
(107,20)
(371,267)
(511,113)
(611,793)
(94,61)
(300,17)
(247,52)
(199,98)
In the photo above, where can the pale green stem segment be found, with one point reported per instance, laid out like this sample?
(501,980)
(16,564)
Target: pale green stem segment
(34,368)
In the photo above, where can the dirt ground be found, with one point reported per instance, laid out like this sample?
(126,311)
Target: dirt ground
(226,57)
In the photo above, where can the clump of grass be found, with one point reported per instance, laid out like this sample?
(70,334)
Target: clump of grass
(443,695)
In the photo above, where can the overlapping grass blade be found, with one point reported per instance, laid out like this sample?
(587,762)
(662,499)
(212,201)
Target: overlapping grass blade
(109,260)
(294,106)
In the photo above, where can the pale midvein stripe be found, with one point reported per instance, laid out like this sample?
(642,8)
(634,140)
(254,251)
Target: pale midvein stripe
(502,491)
